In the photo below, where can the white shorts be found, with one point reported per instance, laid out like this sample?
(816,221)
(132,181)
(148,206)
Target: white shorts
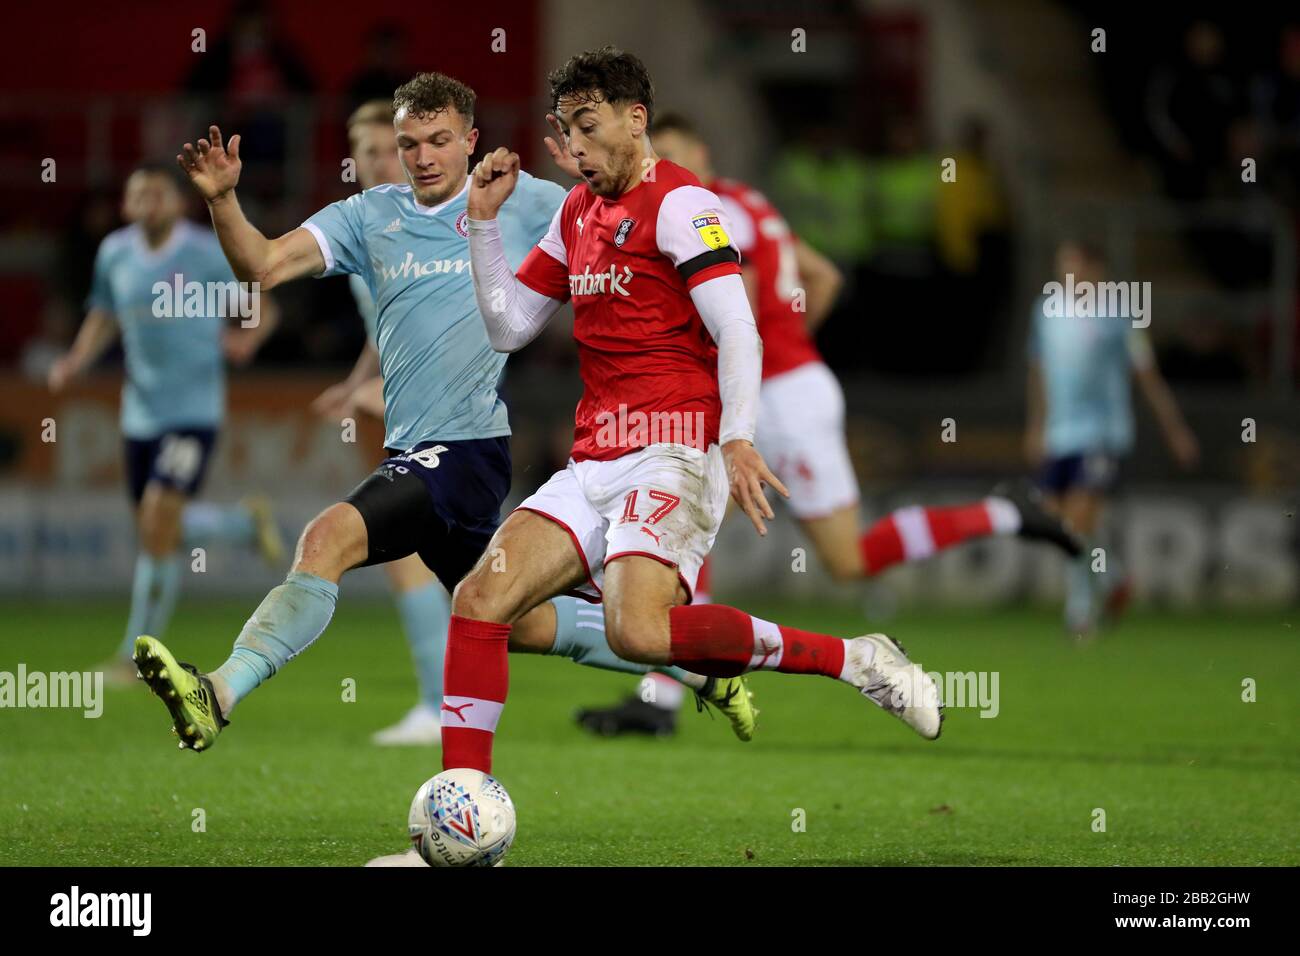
(665,502)
(801,437)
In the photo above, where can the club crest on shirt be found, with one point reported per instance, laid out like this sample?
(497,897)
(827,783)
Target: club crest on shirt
(462,223)
(624,227)
(710,229)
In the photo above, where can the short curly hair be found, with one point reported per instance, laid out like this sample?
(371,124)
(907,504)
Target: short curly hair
(427,93)
(607,75)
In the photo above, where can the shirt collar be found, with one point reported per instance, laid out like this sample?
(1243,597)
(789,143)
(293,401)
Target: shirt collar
(434,210)
(176,237)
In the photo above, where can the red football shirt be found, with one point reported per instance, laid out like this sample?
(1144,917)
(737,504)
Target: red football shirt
(764,239)
(648,364)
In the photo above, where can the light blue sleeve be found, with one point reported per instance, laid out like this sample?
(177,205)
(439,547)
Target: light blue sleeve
(340,230)
(539,200)
(101,289)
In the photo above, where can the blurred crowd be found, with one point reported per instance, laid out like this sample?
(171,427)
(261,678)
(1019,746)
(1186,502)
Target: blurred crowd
(936,256)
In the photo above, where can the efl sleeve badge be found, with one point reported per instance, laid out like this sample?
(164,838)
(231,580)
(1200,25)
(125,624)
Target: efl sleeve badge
(709,226)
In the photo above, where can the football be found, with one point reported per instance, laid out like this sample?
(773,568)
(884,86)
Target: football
(462,817)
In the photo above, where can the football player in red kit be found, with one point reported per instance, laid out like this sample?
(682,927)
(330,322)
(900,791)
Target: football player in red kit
(791,289)
(671,363)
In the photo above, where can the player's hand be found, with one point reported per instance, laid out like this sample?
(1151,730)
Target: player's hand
(62,372)
(335,402)
(747,473)
(558,147)
(368,397)
(492,182)
(239,346)
(1184,447)
(212,167)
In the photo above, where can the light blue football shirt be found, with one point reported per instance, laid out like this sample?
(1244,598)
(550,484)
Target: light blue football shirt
(175,371)
(365,304)
(440,372)
(1087,364)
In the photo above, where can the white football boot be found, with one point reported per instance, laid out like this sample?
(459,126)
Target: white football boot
(422,726)
(878,667)
(409,858)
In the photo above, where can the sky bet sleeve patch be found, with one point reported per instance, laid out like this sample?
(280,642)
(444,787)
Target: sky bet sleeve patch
(709,226)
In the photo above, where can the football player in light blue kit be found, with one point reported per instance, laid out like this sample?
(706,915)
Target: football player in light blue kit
(173,399)
(422,603)
(1080,425)
(439,493)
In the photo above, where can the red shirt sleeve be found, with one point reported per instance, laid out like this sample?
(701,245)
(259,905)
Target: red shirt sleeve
(544,274)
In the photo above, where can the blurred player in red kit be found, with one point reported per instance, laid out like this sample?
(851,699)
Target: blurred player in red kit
(792,288)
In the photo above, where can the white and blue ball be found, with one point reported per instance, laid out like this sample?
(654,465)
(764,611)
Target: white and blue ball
(462,817)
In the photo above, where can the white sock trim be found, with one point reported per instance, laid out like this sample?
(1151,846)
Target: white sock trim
(769,647)
(914,529)
(1004,516)
(473,713)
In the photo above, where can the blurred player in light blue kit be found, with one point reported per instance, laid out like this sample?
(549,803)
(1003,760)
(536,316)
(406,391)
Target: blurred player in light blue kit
(1080,424)
(173,399)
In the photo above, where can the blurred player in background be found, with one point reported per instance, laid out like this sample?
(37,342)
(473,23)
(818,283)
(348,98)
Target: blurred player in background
(791,288)
(422,603)
(1080,425)
(439,492)
(173,399)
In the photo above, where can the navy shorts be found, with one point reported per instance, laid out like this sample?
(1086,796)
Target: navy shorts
(441,500)
(1093,471)
(177,458)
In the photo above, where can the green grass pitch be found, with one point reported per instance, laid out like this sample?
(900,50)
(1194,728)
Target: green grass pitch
(1147,725)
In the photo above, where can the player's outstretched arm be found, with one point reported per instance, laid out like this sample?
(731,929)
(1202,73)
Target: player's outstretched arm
(214,169)
(821,280)
(1178,437)
(242,343)
(369,397)
(96,334)
(724,308)
(512,312)
(337,401)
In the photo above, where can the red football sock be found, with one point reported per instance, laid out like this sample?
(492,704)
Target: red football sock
(910,534)
(476,677)
(703,584)
(720,641)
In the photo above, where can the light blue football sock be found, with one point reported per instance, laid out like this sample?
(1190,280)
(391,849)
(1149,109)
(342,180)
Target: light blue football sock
(1081,592)
(426,614)
(580,636)
(203,523)
(153,598)
(284,625)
